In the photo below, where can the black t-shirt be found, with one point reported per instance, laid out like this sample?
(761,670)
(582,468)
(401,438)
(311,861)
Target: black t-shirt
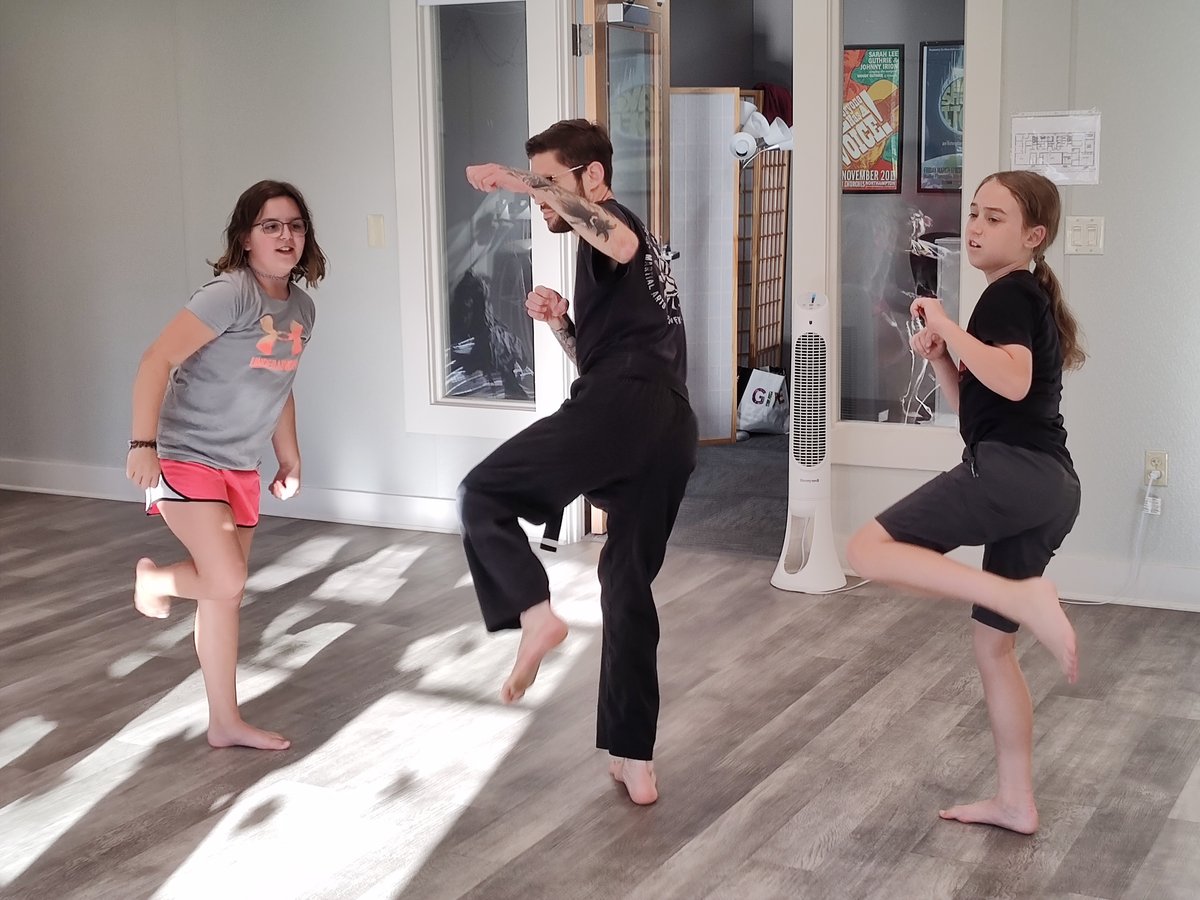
(627,315)
(1015,310)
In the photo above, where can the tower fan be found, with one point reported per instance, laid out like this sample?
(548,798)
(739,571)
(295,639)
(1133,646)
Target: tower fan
(809,562)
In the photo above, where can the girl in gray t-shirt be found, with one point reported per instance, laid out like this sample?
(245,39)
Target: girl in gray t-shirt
(210,391)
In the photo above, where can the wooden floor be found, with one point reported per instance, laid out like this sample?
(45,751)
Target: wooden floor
(805,744)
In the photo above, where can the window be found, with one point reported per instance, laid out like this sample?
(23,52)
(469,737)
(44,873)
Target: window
(484,337)
(899,225)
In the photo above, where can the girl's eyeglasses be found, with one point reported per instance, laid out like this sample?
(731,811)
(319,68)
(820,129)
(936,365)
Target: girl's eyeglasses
(274,228)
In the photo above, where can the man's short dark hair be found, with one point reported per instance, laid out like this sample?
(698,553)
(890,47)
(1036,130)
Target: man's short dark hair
(577,142)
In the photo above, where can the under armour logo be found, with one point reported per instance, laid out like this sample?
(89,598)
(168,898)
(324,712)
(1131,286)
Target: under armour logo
(267,344)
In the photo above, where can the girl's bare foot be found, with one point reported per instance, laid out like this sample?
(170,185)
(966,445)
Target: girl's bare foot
(541,632)
(1021,818)
(149,604)
(638,777)
(1048,622)
(239,734)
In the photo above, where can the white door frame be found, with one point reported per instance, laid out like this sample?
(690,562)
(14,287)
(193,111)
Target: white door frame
(552,96)
(816,186)
(551,76)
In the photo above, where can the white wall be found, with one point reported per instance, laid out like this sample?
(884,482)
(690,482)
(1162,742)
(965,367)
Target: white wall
(91,223)
(1137,302)
(130,128)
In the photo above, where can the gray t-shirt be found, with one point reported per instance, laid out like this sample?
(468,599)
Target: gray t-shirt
(223,402)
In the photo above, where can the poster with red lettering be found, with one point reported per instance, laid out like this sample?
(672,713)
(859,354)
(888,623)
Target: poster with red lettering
(871,118)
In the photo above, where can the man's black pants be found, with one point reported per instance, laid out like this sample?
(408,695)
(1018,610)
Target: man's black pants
(629,446)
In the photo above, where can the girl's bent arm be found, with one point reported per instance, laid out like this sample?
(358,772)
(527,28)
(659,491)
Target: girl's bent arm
(183,336)
(1006,370)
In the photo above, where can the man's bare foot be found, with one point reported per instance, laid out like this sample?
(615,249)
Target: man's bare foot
(1022,818)
(1048,622)
(239,734)
(638,777)
(541,632)
(148,604)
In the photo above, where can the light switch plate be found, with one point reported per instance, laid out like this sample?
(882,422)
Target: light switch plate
(1085,235)
(375,231)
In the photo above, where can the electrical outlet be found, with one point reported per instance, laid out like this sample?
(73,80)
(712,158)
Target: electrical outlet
(1156,460)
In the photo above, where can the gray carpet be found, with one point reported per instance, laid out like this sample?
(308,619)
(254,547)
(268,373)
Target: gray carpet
(736,501)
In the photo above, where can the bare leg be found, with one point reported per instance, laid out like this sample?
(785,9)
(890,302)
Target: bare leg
(1032,602)
(541,632)
(215,577)
(1011,713)
(638,777)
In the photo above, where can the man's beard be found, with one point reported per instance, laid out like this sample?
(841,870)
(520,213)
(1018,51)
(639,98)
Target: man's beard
(557,224)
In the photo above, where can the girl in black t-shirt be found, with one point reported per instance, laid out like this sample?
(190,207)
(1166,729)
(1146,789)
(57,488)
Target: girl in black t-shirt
(1016,492)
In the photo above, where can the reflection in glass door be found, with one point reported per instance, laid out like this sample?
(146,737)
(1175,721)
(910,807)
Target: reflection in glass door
(626,91)
(900,213)
(486,338)
(631,103)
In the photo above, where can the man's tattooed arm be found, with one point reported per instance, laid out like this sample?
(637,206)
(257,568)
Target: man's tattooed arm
(591,221)
(564,333)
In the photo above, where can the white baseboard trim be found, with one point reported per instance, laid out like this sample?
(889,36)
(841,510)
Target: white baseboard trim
(319,504)
(1097,579)
(1079,577)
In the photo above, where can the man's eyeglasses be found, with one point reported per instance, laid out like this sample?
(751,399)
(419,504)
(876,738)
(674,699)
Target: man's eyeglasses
(553,179)
(274,228)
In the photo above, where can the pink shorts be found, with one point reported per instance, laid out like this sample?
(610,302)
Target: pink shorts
(195,482)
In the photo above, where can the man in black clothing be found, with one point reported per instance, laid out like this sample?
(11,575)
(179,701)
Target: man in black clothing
(626,439)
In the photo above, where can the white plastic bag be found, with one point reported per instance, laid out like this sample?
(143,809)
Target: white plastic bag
(764,406)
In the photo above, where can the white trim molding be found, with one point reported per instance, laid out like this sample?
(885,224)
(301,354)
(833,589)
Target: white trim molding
(320,504)
(415,134)
(816,186)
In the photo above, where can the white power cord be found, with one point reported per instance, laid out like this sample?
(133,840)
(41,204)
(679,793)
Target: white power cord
(805,550)
(840,590)
(1151,506)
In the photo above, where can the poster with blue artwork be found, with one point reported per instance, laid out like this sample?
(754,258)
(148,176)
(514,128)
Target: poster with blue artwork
(941,138)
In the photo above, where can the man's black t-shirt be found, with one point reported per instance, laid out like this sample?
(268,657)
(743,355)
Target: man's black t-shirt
(1015,310)
(627,315)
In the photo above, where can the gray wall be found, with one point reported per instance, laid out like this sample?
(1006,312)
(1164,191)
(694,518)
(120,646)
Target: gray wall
(130,127)
(773,41)
(716,43)
(1137,302)
(712,44)
(129,130)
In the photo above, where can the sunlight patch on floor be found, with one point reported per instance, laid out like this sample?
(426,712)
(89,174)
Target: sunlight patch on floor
(20,736)
(388,786)
(32,824)
(164,640)
(372,581)
(310,556)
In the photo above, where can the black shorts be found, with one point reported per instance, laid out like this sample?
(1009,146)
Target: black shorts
(1018,504)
